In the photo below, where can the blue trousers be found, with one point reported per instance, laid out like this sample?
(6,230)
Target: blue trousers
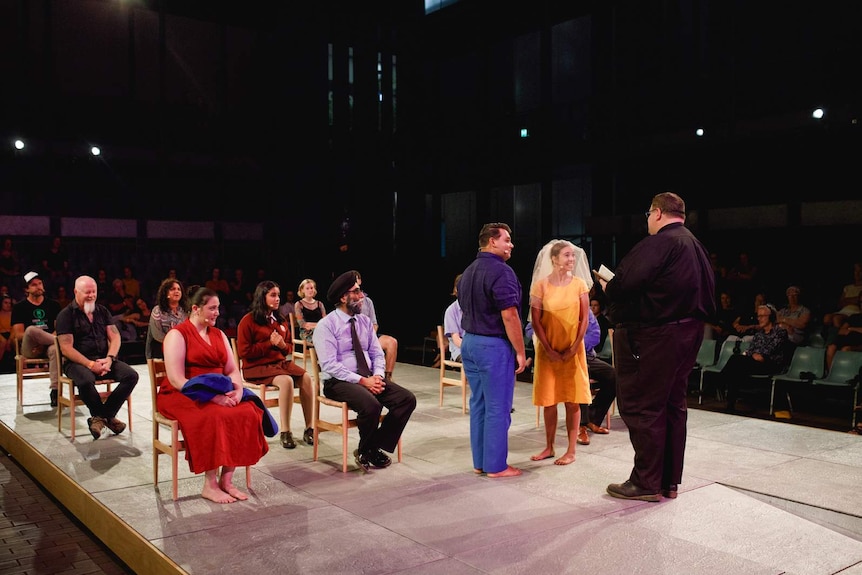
(489,364)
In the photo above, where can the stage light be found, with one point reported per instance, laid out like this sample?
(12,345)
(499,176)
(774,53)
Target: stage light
(817,113)
(19,144)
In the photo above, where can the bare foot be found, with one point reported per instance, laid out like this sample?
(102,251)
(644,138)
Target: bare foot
(565,459)
(508,472)
(231,490)
(216,495)
(477,471)
(546,454)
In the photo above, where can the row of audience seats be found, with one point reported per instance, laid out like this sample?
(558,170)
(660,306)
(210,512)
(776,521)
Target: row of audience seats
(807,368)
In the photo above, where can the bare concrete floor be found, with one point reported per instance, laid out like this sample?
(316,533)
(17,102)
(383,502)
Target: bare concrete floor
(759,497)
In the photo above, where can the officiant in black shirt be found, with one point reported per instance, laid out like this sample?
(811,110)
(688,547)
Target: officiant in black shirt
(662,293)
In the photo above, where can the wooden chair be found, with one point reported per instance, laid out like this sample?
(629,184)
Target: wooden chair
(300,347)
(265,392)
(342,425)
(26,368)
(66,396)
(156,369)
(445,379)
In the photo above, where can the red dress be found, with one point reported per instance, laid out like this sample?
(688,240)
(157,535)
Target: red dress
(215,435)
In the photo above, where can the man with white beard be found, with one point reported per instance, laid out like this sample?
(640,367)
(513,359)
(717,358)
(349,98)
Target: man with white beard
(90,343)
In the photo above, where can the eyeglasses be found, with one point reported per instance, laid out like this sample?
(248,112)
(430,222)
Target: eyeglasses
(648,212)
(355,290)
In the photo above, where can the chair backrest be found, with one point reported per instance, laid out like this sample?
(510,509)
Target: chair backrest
(846,366)
(156,369)
(726,352)
(706,353)
(807,359)
(236,355)
(442,343)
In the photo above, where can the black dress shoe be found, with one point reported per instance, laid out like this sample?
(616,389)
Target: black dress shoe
(629,490)
(53,398)
(361,461)
(378,459)
(308,436)
(669,492)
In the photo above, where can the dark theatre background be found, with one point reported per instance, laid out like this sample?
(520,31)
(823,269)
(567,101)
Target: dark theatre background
(265,131)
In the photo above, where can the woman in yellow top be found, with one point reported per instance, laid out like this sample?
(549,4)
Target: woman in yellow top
(559,306)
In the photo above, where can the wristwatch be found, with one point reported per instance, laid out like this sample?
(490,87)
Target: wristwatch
(113,357)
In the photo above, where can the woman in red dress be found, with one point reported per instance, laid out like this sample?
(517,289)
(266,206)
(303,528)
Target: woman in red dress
(225,431)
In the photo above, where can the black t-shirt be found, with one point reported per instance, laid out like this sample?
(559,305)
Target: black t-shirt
(91,338)
(43,315)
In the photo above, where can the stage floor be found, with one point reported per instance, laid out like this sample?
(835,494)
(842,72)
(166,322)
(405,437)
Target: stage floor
(758,497)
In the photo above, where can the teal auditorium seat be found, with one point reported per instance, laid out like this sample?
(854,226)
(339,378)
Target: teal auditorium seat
(844,375)
(807,364)
(724,354)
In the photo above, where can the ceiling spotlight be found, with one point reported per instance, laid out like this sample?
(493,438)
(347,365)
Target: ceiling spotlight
(817,113)
(95,150)
(19,144)
(699,131)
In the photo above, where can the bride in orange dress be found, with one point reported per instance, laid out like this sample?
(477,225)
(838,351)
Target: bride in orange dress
(559,306)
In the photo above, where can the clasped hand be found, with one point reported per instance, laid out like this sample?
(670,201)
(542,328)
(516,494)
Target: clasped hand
(101,366)
(373,383)
(229,399)
(276,340)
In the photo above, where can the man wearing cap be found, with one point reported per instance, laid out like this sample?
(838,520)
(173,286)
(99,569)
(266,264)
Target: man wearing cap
(355,373)
(33,326)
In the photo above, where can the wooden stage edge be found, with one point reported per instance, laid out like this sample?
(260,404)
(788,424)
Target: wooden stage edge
(134,550)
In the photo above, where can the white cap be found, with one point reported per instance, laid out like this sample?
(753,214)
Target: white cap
(30,276)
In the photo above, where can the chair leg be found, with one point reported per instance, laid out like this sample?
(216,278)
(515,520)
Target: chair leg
(175,456)
(344,430)
(248,476)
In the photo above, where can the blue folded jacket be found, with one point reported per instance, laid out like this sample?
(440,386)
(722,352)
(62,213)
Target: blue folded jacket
(205,386)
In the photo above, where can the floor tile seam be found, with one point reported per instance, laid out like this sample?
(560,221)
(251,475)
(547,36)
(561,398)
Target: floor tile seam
(745,490)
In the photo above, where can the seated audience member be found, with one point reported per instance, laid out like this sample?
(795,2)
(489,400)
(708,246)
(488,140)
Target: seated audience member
(603,379)
(241,294)
(131,283)
(387,342)
(55,264)
(5,326)
(848,304)
(62,297)
(171,309)
(117,303)
(103,287)
(848,338)
(264,344)
(795,317)
(90,343)
(746,324)
(10,268)
(452,324)
(219,285)
(308,311)
(125,321)
(722,324)
(33,326)
(140,318)
(352,370)
(597,306)
(223,427)
(742,280)
(767,355)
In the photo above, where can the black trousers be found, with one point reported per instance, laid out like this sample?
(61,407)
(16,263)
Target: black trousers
(737,371)
(606,381)
(85,382)
(372,433)
(653,365)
